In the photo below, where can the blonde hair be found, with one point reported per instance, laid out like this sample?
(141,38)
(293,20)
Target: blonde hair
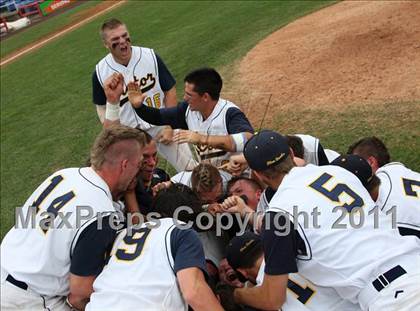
(108,138)
(205,177)
(109,25)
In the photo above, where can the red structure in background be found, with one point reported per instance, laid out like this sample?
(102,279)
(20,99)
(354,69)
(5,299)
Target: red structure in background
(3,23)
(30,9)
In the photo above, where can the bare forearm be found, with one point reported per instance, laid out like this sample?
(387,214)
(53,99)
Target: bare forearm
(170,98)
(253,297)
(218,142)
(204,300)
(108,123)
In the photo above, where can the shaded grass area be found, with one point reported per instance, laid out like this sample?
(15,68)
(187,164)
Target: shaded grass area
(397,124)
(47,118)
(42,29)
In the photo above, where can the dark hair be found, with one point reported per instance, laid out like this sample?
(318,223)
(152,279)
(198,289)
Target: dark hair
(206,80)
(256,186)
(371,147)
(169,199)
(296,144)
(373,183)
(248,261)
(109,24)
(225,293)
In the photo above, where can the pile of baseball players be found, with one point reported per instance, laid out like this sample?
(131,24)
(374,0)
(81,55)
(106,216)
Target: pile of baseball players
(250,221)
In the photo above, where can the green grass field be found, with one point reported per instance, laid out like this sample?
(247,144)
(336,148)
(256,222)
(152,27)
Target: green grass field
(40,30)
(48,121)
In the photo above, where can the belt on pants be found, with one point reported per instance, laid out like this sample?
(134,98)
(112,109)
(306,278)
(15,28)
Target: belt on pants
(20,284)
(388,277)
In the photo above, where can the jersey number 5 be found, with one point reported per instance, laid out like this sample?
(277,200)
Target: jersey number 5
(335,193)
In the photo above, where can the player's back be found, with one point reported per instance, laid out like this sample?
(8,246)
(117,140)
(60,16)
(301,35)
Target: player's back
(303,295)
(140,272)
(400,189)
(344,258)
(38,253)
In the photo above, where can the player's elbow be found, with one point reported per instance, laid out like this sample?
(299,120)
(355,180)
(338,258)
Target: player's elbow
(274,304)
(191,295)
(275,301)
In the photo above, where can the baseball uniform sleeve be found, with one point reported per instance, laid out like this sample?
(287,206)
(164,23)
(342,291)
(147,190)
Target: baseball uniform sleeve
(237,122)
(166,79)
(322,157)
(187,250)
(279,245)
(384,189)
(98,94)
(89,253)
(174,116)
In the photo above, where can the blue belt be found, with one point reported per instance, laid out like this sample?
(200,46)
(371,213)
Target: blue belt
(388,277)
(17,283)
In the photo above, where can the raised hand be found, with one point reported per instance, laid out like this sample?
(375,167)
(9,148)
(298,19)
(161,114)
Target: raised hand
(114,87)
(135,96)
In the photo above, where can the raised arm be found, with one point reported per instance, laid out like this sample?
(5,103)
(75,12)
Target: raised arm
(113,88)
(174,116)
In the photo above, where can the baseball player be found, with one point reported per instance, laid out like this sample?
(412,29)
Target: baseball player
(245,254)
(399,188)
(61,249)
(350,251)
(156,82)
(309,148)
(209,184)
(216,126)
(159,266)
(246,188)
(192,179)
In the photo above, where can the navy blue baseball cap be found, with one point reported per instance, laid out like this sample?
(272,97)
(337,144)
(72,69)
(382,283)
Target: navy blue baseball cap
(240,248)
(265,149)
(357,165)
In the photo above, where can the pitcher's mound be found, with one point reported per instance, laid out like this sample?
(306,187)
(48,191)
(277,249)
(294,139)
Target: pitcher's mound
(353,52)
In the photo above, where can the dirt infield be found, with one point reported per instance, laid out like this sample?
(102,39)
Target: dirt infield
(352,52)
